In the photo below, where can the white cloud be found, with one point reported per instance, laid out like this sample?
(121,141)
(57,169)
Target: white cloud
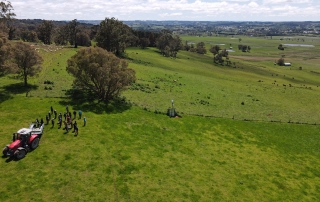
(234,10)
(169,14)
(253,4)
(287,1)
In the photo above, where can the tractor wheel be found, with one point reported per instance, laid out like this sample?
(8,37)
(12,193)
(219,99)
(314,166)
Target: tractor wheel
(35,143)
(5,150)
(19,154)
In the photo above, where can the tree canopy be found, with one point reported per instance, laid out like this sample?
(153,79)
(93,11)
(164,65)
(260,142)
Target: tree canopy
(73,29)
(215,49)
(6,11)
(61,35)
(6,18)
(45,32)
(100,72)
(201,48)
(168,44)
(113,36)
(27,61)
(280,62)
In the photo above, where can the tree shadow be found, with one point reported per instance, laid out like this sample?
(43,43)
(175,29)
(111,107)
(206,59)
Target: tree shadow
(19,88)
(7,91)
(4,96)
(157,51)
(87,102)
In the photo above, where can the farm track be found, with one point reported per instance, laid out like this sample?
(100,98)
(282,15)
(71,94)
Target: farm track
(253,58)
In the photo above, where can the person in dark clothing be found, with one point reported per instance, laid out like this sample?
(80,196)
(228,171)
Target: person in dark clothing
(74,114)
(84,121)
(47,119)
(60,116)
(55,114)
(59,122)
(41,122)
(37,123)
(67,108)
(74,126)
(65,116)
(52,122)
(49,114)
(51,108)
(76,130)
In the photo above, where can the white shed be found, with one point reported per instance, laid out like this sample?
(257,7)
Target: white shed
(287,64)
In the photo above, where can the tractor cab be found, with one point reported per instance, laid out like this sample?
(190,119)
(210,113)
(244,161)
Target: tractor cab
(22,134)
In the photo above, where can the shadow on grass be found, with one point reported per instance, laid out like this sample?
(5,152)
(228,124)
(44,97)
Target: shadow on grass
(157,51)
(87,102)
(12,158)
(5,96)
(7,91)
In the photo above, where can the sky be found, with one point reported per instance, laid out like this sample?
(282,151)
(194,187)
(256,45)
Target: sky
(186,10)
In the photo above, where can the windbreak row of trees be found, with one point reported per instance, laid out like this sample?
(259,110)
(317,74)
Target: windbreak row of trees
(72,33)
(111,34)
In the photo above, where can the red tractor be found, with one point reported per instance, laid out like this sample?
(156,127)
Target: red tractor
(23,141)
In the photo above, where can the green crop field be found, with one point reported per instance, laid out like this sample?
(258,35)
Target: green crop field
(244,135)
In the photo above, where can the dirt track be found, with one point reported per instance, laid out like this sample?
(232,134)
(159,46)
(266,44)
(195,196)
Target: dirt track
(253,58)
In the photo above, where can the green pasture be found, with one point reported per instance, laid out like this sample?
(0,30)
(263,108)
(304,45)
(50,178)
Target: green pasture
(253,89)
(233,142)
(135,155)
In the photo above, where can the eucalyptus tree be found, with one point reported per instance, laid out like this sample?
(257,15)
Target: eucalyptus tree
(99,72)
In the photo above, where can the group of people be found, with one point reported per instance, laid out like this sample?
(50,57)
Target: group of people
(68,119)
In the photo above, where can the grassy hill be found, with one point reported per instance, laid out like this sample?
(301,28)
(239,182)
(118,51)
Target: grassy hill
(130,153)
(253,89)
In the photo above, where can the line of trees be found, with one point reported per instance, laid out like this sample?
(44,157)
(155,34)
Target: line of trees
(199,48)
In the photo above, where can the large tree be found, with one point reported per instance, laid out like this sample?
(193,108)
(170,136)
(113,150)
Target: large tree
(215,50)
(27,61)
(73,30)
(168,44)
(100,72)
(7,17)
(28,36)
(6,10)
(45,31)
(144,42)
(62,35)
(113,36)
(201,48)
(83,39)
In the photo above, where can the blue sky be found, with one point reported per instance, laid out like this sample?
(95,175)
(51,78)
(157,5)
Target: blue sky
(194,10)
